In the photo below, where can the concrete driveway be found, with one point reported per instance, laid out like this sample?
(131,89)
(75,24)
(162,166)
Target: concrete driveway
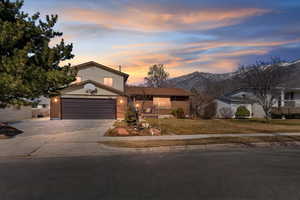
(51,127)
(55,138)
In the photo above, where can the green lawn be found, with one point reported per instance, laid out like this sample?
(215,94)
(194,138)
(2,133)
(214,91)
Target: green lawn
(219,126)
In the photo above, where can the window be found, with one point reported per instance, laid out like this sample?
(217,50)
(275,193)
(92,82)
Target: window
(162,102)
(179,98)
(108,81)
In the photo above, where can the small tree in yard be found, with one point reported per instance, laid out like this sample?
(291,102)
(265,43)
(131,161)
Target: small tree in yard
(226,113)
(199,101)
(242,112)
(263,78)
(178,113)
(29,67)
(210,110)
(157,76)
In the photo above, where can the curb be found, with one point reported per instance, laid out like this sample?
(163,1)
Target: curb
(205,147)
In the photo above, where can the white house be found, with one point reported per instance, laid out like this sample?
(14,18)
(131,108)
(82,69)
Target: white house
(286,103)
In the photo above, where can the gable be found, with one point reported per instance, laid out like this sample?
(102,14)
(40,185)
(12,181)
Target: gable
(82,91)
(100,66)
(98,89)
(97,74)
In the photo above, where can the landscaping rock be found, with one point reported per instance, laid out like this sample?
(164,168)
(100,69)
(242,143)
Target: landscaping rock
(122,131)
(8,131)
(155,131)
(145,125)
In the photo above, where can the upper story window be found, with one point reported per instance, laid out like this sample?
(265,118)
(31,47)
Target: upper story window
(108,81)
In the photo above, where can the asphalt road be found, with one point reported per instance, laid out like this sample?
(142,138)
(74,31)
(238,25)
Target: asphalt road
(239,174)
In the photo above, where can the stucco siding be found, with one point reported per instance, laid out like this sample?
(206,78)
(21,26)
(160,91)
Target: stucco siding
(15,114)
(220,105)
(82,91)
(258,111)
(98,75)
(233,107)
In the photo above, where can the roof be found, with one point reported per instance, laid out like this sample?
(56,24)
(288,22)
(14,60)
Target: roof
(132,90)
(236,91)
(95,64)
(236,100)
(100,85)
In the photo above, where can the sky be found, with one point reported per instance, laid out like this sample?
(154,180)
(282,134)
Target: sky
(185,35)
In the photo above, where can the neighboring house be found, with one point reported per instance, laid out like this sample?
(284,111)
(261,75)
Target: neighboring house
(156,102)
(286,102)
(100,93)
(14,113)
(41,108)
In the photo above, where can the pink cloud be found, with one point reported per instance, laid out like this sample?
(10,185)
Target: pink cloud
(154,21)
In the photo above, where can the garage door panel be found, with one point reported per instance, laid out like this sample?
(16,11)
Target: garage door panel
(88,108)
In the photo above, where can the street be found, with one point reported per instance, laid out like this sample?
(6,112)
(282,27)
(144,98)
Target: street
(255,173)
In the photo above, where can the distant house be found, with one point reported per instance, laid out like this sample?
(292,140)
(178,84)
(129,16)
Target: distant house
(286,103)
(14,113)
(100,93)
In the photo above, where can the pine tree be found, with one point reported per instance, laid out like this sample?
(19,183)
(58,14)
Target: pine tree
(29,66)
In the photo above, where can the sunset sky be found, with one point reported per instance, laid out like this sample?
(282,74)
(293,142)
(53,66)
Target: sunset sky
(185,35)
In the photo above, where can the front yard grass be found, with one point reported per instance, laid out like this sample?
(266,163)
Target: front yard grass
(222,126)
(204,141)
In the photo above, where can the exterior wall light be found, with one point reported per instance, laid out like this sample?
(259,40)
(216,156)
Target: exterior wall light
(137,105)
(55,100)
(121,101)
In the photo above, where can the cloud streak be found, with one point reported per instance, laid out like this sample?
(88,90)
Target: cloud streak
(154,21)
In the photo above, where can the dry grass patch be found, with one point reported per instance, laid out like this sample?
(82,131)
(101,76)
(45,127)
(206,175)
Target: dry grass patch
(220,126)
(203,141)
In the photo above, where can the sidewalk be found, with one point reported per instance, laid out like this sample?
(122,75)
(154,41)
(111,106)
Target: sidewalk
(190,137)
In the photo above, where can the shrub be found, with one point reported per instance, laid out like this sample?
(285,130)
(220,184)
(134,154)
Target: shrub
(131,117)
(210,111)
(226,113)
(242,112)
(178,113)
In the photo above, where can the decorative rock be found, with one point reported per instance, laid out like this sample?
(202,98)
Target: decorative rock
(145,125)
(154,131)
(122,131)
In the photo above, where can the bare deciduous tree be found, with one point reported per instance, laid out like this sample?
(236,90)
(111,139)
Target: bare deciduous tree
(199,101)
(226,113)
(263,78)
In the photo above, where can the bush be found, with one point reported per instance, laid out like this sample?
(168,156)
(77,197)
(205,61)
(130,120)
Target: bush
(131,117)
(242,112)
(226,113)
(178,113)
(210,111)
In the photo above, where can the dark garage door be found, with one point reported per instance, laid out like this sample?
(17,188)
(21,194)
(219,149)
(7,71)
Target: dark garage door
(88,108)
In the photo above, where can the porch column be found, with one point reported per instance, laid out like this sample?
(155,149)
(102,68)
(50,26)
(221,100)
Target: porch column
(282,98)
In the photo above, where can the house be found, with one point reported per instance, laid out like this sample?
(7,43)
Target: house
(99,92)
(159,102)
(286,102)
(15,113)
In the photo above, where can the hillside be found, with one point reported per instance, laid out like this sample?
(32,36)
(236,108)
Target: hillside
(222,83)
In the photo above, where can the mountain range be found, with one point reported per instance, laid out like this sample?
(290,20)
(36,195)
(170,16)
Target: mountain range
(226,82)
